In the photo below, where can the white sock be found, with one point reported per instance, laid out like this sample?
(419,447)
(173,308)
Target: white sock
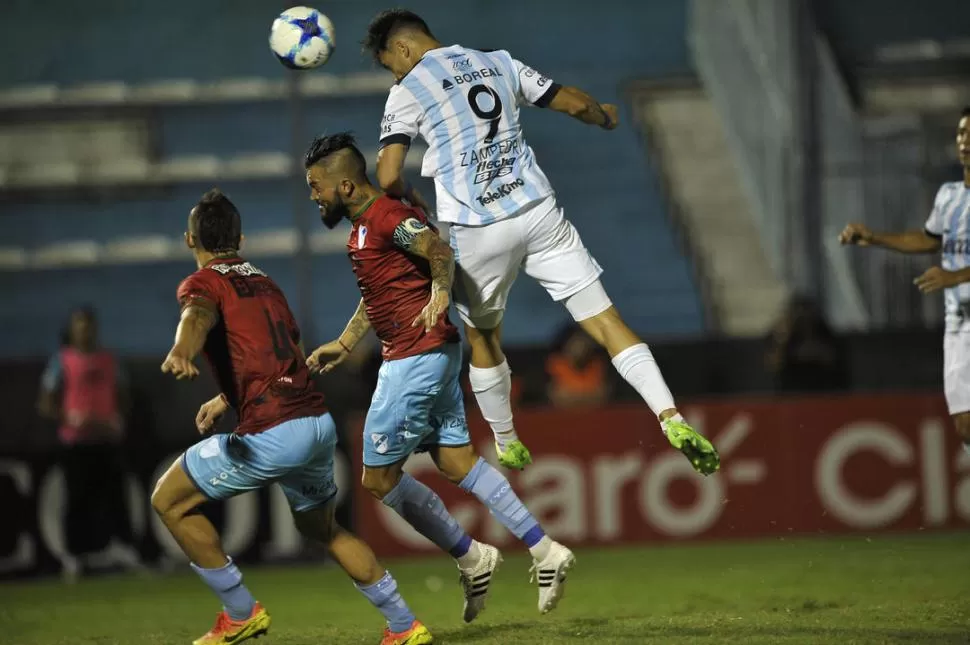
(493,390)
(638,367)
(966,446)
(470,559)
(541,548)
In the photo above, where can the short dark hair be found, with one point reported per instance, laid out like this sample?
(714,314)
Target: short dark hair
(966,111)
(326,145)
(217,223)
(85,311)
(383,26)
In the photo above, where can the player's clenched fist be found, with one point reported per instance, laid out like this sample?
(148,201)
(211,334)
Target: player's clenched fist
(613,113)
(858,234)
(210,413)
(179,366)
(326,357)
(437,305)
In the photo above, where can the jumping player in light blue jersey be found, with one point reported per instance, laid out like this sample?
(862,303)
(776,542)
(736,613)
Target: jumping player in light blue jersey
(947,230)
(502,211)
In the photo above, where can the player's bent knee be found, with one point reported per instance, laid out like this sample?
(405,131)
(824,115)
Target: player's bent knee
(380,481)
(486,346)
(318,523)
(175,495)
(962,423)
(455,462)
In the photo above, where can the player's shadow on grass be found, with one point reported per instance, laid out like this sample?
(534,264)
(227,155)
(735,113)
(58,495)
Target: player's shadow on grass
(618,630)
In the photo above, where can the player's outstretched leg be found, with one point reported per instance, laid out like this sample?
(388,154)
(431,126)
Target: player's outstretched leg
(632,358)
(176,500)
(491,381)
(551,560)
(425,511)
(370,578)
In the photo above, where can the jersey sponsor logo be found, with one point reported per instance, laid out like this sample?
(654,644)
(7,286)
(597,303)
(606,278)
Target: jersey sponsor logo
(500,192)
(245,268)
(493,169)
(361,237)
(463,65)
(477,75)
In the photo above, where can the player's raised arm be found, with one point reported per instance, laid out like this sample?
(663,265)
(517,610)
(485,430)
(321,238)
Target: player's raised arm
(535,88)
(390,176)
(921,241)
(197,319)
(402,115)
(580,105)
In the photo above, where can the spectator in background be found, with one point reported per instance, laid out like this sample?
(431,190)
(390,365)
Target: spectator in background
(803,354)
(577,370)
(84,389)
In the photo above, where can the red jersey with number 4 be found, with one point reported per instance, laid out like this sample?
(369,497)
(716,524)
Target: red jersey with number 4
(395,284)
(254,348)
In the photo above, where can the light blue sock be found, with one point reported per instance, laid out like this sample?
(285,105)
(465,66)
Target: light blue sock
(384,595)
(228,585)
(425,511)
(495,492)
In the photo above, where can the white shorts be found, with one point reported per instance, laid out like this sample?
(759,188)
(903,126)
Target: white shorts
(956,371)
(541,241)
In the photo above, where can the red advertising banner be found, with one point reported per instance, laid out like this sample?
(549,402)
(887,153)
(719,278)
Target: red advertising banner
(793,466)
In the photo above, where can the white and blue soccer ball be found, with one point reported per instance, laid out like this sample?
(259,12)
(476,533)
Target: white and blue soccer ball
(302,38)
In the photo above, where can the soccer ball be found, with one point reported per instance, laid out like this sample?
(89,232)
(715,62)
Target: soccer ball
(302,38)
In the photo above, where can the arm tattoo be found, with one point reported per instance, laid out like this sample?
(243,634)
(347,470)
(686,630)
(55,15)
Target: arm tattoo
(407,231)
(357,327)
(426,244)
(442,263)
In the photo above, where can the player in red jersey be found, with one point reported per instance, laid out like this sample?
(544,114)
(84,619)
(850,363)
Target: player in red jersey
(237,316)
(405,273)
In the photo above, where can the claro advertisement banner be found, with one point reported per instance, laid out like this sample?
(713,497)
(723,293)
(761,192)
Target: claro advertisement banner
(789,467)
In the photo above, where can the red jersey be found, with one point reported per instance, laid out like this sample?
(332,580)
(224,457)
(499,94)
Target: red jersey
(254,348)
(394,284)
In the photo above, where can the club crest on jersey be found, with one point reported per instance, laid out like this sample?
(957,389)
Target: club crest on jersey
(361,237)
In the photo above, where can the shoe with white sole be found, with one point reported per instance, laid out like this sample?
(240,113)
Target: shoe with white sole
(551,575)
(476,581)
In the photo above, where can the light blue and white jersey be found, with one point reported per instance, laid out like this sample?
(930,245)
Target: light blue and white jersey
(950,221)
(465,104)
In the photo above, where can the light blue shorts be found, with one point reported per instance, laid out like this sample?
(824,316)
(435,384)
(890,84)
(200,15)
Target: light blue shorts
(297,453)
(417,404)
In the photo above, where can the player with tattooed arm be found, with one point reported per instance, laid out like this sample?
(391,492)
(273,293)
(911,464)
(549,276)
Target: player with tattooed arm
(405,272)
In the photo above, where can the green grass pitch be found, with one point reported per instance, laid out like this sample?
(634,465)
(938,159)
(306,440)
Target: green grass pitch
(850,590)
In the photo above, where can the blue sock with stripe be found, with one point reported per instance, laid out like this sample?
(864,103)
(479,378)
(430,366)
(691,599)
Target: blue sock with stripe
(425,511)
(384,595)
(227,583)
(494,490)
